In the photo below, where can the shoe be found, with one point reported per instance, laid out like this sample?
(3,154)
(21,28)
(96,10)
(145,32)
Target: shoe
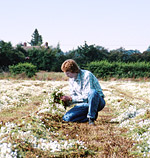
(96,116)
(91,121)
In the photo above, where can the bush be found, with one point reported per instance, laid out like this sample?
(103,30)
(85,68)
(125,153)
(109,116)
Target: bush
(26,68)
(102,69)
(105,69)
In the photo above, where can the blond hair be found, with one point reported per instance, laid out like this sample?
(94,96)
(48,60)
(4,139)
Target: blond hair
(70,65)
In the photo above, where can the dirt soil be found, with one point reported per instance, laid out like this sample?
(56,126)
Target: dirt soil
(104,138)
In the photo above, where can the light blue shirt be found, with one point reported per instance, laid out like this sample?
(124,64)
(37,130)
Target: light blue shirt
(80,87)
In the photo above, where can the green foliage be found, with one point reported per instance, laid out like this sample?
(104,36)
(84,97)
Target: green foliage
(48,59)
(5,51)
(26,68)
(146,56)
(141,130)
(36,39)
(123,55)
(9,55)
(116,63)
(88,53)
(56,97)
(21,49)
(105,69)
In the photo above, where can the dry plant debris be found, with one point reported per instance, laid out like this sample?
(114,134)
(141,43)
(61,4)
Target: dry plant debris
(32,126)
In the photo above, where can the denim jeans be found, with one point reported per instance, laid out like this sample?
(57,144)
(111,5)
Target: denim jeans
(81,112)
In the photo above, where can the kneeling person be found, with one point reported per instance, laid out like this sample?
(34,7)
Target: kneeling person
(85,92)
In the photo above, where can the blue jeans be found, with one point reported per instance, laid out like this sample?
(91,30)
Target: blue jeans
(83,111)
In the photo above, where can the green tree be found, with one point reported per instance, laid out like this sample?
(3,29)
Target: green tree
(118,55)
(36,38)
(88,53)
(146,55)
(5,50)
(9,55)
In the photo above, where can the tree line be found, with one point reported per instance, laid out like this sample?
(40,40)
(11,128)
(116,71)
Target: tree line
(50,58)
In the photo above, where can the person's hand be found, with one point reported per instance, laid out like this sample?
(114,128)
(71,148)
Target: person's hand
(66,98)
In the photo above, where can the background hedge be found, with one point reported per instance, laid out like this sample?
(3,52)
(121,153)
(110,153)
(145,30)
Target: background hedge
(105,69)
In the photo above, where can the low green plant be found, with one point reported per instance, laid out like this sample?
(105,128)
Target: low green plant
(56,98)
(141,130)
(27,68)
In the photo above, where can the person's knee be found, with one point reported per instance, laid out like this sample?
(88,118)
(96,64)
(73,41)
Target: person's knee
(101,105)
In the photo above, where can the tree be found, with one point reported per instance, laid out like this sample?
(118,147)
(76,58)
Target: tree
(36,38)
(146,55)
(88,53)
(9,55)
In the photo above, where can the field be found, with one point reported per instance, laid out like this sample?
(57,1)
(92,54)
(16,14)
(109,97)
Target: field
(32,127)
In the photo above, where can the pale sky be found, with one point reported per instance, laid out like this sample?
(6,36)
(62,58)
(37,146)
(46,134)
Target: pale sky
(108,23)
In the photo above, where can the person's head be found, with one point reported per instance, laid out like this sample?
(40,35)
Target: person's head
(70,68)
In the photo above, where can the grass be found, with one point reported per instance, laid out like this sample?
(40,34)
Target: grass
(104,140)
(41,75)
(101,140)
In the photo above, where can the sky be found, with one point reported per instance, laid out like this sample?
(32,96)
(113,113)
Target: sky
(108,23)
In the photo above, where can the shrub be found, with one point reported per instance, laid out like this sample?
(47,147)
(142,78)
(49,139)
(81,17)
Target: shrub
(26,68)
(105,69)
